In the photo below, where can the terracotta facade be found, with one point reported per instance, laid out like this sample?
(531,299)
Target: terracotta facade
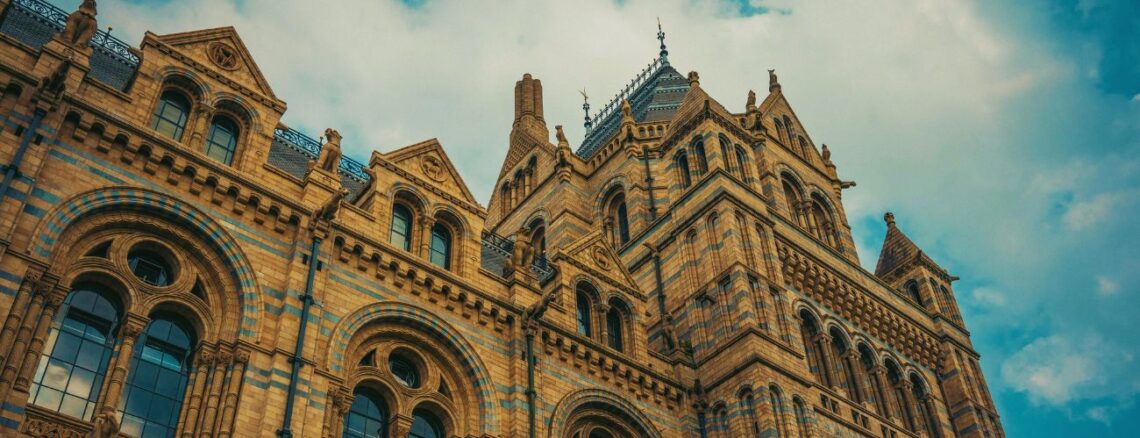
(688,271)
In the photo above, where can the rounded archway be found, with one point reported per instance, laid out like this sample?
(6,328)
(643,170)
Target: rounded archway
(596,413)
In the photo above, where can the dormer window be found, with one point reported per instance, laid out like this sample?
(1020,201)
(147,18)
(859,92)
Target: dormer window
(171,114)
(222,141)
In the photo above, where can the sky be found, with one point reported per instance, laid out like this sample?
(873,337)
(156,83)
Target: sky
(1005,136)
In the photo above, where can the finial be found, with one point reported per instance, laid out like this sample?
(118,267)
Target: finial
(586,108)
(694,79)
(826,154)
(561,136)
(890,218)
(773,82)
(661,37)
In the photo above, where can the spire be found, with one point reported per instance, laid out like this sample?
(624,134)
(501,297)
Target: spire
(586,107)
(661,37)
(898,249)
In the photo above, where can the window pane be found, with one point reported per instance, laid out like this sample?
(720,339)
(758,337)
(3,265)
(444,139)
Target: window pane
(157,381)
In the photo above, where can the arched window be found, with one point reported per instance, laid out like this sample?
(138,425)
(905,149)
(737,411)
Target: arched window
(682,162)
(729,164)
(813,347)
(804,147)
(615,328)
(368,417)
(778,411)
(401,230)
(149,267)
(160,368)
(170,115)
(912,292)
(538,237)
(222,141)
(801,416)
(71,371)
(425,425)
(823,225)
(753,419)
(900,403)
(584,308)
(844,367)
(620,217)
(870,379)
(702,160)
(505,194)
(440,246)
(779,129)
(926,417)
(792,195)
(742,162)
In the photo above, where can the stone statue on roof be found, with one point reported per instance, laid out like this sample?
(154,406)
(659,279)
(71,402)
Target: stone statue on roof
(329,158)
(81,26)
(750,106)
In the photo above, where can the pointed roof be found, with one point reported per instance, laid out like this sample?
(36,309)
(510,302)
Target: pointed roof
(695,101)
(592,253)
(899,251)
(428,160)
(202,42)
(654,95)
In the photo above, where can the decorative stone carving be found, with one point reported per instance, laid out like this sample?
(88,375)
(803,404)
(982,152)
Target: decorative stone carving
(81,26)
(106,425)
(222,55)
(601,258)
(522,253)
(328,211)
(53,86)
(432,167)
(329,158)
(36,427)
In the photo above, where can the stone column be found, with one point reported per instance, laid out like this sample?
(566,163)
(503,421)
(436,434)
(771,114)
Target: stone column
(205,360)
(20,343)
(17,312)
(767,414)
(855,390)
(341,405)
(210,411)
(198,128)
(828,360)
(132,327)
(879,377)
(36,346)
(603,323)
(911,407)
(399,426)
(229,406)
(425,236)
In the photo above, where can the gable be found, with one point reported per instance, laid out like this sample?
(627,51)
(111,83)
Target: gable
(223,50)
(428,161)
(593,254)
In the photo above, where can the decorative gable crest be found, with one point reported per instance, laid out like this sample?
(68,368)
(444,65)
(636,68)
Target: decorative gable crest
(593,254)
(428,161)
(221,49)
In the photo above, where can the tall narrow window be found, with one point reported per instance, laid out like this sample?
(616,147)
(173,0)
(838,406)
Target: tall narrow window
(725,157)
(622,222)
(801,416)
(614,328)
(753,419)
(583,314)
(368,417)
(742,162)
(170,115)
(682,161)
(222,141)
(152,398)
(71,372)
(440,246)
(425,425)
(702,160)
(912,292)
(617,213)
(538,238)
(401,232)
(778,411)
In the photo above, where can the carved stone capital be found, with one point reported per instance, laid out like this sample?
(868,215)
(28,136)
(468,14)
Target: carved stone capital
(133,326)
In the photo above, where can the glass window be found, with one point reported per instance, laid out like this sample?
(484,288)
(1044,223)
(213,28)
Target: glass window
(401,234)
(702,161)
(150,267)
(538,240)
(425,425)
(583,315)
(623,222)
(368,417)
(614,329)
(71,372)
(742,162)
(912,292)
(170,115)
(152,398)
(404,371)
(222,141)
(440,246)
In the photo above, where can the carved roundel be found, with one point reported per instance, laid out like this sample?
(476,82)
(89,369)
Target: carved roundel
(432,167)
(223,55)
(600,258)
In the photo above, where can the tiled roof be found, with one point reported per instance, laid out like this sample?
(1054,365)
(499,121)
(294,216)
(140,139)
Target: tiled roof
(656,97)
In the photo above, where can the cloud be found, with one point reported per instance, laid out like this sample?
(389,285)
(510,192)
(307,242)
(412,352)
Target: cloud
(1060,369)
(975,122)
(1106,286)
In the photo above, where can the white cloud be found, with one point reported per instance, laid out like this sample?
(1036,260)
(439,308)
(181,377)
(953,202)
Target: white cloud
(1087,213)
(1106,286)
(1061,369)
(989,296)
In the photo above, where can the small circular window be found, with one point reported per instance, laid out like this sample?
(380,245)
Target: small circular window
(150,267)
(404,371)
